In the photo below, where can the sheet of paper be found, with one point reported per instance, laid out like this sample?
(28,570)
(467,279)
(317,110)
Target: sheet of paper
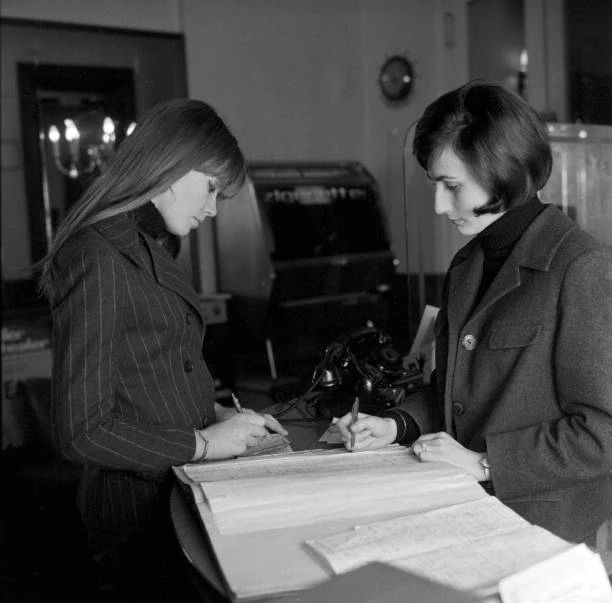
(574,575)
(305,462)
(331,435)
(273,443)
(480,565)
(425,334)
(415,534)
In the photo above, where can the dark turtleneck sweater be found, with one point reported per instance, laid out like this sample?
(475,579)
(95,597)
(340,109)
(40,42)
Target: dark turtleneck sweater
(150,221)
(500,237)
(497,242)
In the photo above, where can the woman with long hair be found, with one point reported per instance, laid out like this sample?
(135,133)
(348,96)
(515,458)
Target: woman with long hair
(131,393)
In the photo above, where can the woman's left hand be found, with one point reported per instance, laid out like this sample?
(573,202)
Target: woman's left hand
(442,447)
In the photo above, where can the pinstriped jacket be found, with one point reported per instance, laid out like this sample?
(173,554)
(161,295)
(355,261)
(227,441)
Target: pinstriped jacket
(129,379)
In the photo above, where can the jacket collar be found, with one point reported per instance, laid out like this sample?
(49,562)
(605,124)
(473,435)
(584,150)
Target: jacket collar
(538,245)
(122,231)
(535,250)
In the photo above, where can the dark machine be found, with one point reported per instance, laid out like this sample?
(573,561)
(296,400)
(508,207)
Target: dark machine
(305,254)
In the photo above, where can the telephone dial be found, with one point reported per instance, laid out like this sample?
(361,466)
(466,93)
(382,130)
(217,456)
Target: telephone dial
(364,363)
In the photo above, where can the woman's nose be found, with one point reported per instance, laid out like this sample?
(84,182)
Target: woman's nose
(442,204)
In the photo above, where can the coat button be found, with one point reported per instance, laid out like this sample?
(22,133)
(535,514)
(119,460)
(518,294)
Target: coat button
(188,318)
(458,408)
(469,342)
(188,366)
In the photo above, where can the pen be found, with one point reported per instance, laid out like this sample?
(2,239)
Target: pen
(236,403)
(354,415)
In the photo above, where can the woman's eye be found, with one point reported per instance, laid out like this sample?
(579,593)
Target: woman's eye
(451,186)
(211,187)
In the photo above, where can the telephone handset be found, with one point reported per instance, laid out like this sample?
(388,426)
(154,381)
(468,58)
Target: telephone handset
(361,362)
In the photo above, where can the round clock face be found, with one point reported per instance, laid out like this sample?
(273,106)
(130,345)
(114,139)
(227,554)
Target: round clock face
(396,78)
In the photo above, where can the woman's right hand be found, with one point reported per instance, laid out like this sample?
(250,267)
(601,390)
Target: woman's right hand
(370,432)
(231,437)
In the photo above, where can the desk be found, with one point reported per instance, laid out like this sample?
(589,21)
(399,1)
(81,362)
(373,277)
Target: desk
(188,529)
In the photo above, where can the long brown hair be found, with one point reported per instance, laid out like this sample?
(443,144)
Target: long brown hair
(172,139)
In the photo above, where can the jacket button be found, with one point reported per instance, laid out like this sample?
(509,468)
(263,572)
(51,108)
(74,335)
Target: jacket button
(188,366)
(458,408)
(469,342)
(188,318)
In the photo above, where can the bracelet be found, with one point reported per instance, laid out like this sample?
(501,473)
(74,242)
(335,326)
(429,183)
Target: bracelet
(202,457)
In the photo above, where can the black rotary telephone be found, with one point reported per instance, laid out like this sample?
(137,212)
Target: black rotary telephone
(364,363)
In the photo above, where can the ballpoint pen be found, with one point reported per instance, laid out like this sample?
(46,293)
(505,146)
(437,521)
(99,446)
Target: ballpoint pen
(354,415)
(236,403)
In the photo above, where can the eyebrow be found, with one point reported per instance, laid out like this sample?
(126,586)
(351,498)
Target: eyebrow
(442,177)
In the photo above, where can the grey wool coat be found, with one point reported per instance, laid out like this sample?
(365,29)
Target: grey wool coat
(129,380)
(526,375)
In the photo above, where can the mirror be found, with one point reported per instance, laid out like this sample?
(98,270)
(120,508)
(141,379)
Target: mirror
(63,109)
(51,73)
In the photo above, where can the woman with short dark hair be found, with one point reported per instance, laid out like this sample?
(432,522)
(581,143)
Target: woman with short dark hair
(131,394)
(522,393)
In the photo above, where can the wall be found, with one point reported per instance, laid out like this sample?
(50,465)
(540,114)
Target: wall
(154,15)
(298,80)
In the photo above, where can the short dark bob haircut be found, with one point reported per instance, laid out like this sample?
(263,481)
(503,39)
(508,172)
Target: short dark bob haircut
(500,138)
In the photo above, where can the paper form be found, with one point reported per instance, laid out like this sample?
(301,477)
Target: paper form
(415,534)
(481,564)
(310,461)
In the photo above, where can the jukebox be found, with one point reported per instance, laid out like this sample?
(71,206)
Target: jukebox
(305,254)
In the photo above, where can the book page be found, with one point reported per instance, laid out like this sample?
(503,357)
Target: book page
(305,462)
(282,491)
(480,565)
(411,535)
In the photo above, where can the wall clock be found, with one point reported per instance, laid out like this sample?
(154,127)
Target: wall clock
(396,78)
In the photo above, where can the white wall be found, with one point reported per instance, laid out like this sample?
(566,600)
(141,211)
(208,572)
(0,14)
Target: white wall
(154,15)
(297,80)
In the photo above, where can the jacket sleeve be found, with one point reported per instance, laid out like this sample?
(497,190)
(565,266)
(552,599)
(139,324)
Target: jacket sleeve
(87,321)
(415,415)
(578,446)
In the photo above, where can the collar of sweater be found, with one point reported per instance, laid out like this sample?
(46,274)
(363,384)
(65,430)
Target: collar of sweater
(507,230)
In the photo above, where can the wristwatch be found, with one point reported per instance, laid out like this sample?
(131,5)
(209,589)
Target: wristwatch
(484,463)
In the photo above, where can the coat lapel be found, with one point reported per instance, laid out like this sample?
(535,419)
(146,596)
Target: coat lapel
(535,250)
(124,234)
(465,275)
(170,274)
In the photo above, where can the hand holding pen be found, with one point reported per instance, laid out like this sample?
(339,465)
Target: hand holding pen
(365,432)
(270,422)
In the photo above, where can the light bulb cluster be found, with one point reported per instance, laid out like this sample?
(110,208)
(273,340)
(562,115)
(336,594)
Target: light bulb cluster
(83,158)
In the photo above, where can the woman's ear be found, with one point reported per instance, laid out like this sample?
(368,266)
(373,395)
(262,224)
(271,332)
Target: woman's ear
(165,199)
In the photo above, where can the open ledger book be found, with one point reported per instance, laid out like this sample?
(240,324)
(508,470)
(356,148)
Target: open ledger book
(286,522)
